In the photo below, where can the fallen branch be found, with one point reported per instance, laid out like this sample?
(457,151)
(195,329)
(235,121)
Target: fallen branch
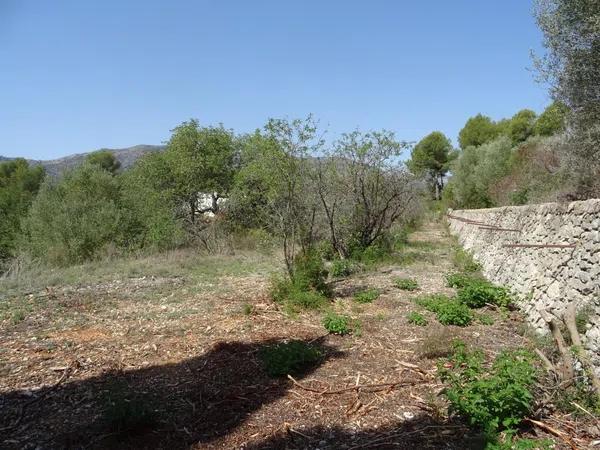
(569,319)
(553,431)
(383,386)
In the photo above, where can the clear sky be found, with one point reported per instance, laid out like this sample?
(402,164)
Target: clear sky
(79,75)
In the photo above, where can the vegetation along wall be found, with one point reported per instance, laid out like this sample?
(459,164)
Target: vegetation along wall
(547,254)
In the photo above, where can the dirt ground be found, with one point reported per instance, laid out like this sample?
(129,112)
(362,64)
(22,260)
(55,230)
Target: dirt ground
(182,357)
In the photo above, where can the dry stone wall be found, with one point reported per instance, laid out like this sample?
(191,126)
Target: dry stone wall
(547,254)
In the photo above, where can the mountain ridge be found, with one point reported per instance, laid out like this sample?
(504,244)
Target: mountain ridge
(127,156)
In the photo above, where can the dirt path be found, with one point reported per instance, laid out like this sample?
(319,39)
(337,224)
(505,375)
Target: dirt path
(156,362)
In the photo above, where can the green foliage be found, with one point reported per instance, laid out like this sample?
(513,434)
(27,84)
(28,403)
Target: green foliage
(448,311)
(477,131)
(289,358)
(476,171)
(343,267)
(76,218)
(367,296)
(295,297)
(431,158)
(416,319)
(492,398)
(464,262)
(551,121)
(247,309)
(19,184)
(104,159)
(460,280)
(406,284)
(309,273)
(150,204)
(340,324)
(478,293)
(521,125)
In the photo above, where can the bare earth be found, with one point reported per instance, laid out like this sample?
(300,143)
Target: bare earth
(186,347)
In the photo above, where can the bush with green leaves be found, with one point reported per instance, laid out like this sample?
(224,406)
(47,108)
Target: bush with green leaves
(406,284)
(343,267)
(416,319)
(491,398)
(448,311)
(19,184)
(459,280)
(295,296)
(77,218)
(479,293)
(464,262)
(309,273)
(339,324)
(367,296)
(289,358)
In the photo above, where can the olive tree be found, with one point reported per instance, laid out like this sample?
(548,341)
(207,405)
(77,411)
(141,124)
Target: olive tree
(571,65)
(364,189)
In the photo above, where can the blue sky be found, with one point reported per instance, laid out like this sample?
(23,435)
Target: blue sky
(80,75)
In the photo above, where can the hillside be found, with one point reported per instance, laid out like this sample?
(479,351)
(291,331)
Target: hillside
(126,156)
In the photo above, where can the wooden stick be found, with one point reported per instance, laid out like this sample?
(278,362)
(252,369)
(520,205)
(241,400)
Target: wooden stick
(566,371)
(549,366)
(553,431)
(569,318)
(355,387)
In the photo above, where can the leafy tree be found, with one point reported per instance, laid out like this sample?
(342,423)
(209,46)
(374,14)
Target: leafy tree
(551,121)
(431,157)
(150,204)
(571,66)
(76,218)
(277,162)
(19,184)
(104,159)
(364,190)
(478,130)
(201,161)
(521,125)
(476,170)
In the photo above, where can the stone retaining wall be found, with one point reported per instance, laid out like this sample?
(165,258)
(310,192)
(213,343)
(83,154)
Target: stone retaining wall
(548,255)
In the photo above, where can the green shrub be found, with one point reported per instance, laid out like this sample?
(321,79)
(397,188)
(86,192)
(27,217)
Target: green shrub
(338,324)
(309,273)
(448,311)
(406,284)
(293,357)
(416,319)
(493,398)
(478,293)
(285,292)
(464,262)
(367,296)
(459,280)
(76,218)
(343,267)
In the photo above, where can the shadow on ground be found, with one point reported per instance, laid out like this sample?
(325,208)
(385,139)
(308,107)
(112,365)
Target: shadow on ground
(420,432)
(169,406)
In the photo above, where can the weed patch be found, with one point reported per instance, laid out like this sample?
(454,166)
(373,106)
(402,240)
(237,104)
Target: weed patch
(368,296)
(340,324)
(406,284)
(416,319)
(494,398)
(448,311)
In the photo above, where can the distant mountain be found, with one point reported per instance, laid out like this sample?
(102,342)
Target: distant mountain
(126,156)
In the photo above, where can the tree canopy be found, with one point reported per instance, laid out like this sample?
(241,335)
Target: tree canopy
(431,157)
